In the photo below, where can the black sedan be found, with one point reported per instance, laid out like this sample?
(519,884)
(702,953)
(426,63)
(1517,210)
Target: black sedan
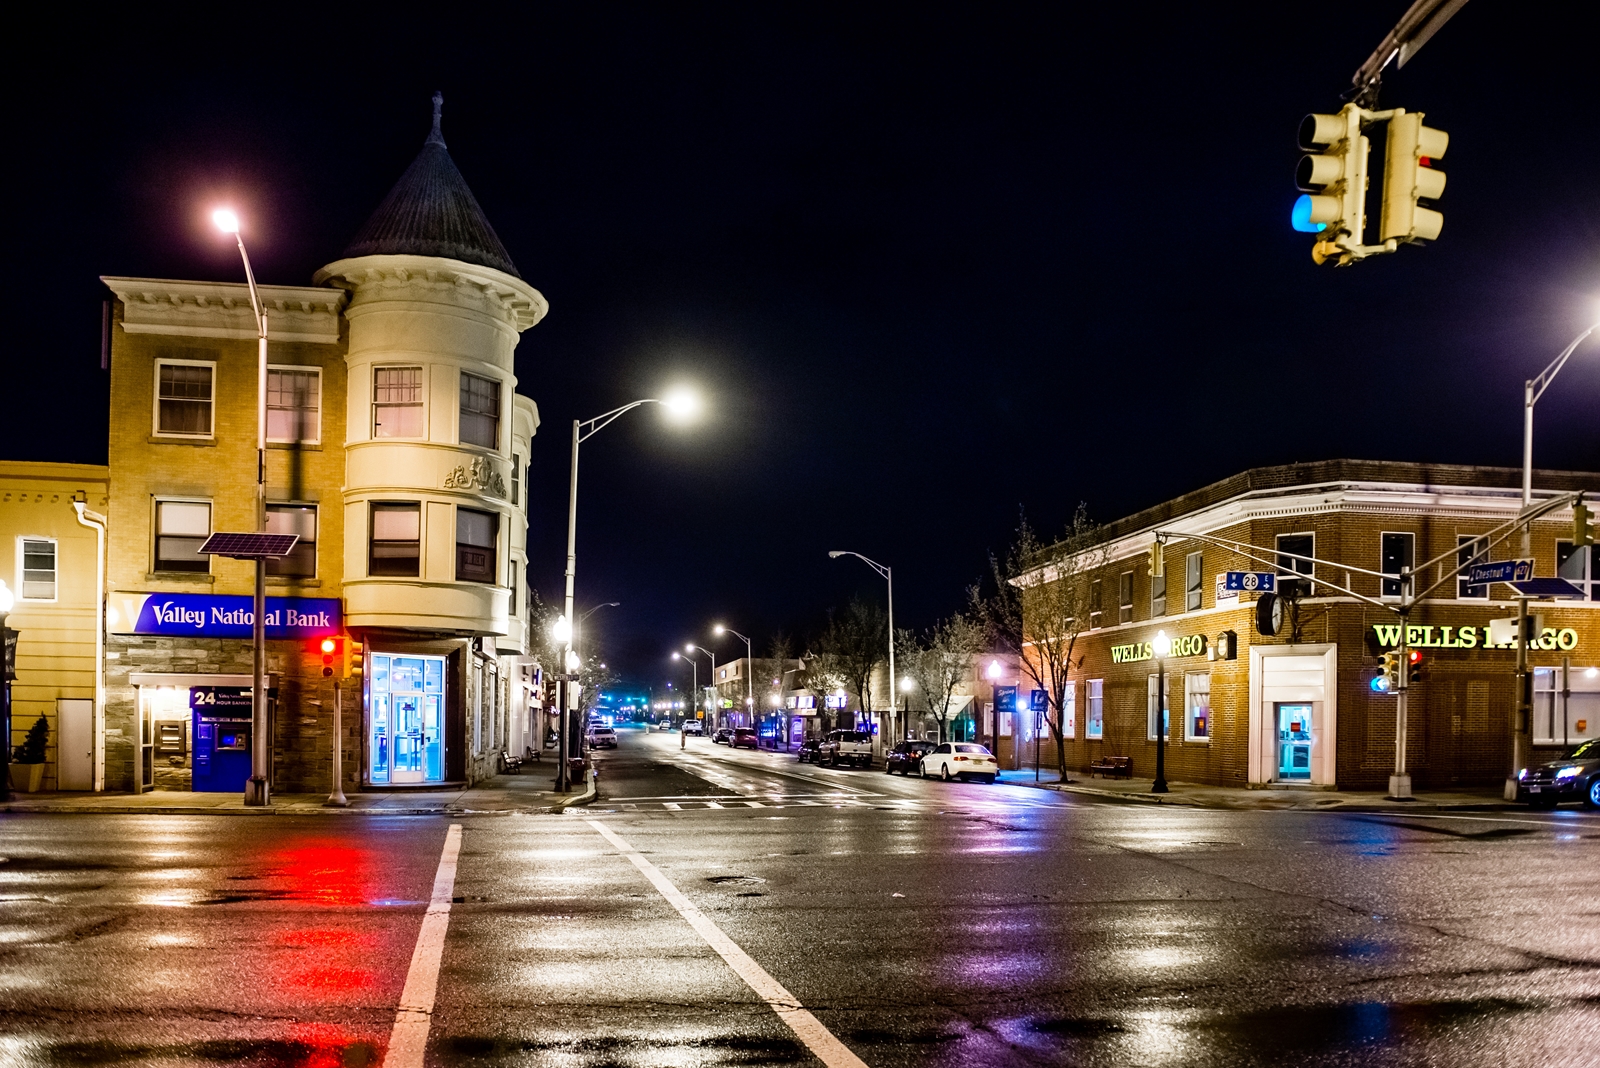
(1575,777)
(907,757)
(723,735)
(808,750)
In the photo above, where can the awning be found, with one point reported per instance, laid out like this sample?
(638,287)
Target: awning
(957,705)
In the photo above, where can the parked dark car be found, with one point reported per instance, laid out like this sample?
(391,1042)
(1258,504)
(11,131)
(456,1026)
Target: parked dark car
(1575,777)
(723,735)
(744,736)
(808,750)
(907,757)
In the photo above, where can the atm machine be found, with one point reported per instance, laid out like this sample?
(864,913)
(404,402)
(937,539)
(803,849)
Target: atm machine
(222,726)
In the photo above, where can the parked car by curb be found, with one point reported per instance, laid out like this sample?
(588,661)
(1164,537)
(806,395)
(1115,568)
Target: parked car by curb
(846,747)
(960,760)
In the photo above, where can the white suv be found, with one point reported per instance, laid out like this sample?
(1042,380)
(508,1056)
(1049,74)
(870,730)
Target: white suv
(602,738)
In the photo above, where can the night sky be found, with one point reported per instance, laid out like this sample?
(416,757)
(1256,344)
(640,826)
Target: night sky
(927,265)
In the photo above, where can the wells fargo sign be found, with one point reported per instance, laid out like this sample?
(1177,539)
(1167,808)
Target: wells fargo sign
(1428,637)
(1189,645)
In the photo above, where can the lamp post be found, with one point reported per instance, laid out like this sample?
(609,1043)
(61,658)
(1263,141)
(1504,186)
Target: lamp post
(257,791)
(993,674)
(691,649)
(694,705)
(680,404)
(6,661)
(561,634)
(749,670)
(1532,390)
(888,576)
(1162,646)
(905,687)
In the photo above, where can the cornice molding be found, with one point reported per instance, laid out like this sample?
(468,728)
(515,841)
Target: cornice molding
(222,309)
(436,280)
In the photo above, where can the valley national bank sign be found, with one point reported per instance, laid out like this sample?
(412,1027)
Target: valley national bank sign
(197,615)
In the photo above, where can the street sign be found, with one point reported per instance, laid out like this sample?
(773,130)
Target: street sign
(1038,701)
(1500,571)
(1250,581)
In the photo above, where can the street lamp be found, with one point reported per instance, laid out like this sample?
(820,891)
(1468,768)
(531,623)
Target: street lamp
(1532,390)
(680,405)
(6,601)
(690,649)
(888,575)
(683,725)
(256,791)
(1161,646)
(749,670)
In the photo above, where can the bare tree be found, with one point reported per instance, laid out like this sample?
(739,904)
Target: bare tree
(822,674)
(1041,605)
(941,660)
(862,645)
(768,673)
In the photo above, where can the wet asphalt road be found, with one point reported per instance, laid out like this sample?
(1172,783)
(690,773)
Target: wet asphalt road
(922,923)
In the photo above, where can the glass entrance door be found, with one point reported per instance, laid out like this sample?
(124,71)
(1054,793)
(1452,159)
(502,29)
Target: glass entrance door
(405,719)
(1294,742)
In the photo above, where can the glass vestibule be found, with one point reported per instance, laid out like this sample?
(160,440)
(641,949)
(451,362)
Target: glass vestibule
(1294,742)
(405,719)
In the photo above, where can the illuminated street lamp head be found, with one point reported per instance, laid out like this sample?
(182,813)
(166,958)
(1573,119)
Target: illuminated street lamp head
(994,669)
(834,554)
(689,648)
(718,629)
(681,404)
(906,684)
(561,629)
(1162,644)
(573,662)
(226,220)
(676,656)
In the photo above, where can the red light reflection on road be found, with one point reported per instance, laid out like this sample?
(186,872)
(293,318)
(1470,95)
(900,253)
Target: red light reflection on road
(324,961)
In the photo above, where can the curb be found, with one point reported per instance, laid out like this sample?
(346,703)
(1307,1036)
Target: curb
(269,810)
(588,797)
(1415,805)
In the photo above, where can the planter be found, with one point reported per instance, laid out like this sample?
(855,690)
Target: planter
(26,778)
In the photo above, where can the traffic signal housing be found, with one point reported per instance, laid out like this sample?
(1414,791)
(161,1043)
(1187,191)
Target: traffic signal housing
(1333,179)
(355,659)
(329,647)
(1582,524)
(1388,678)
(1409,176)
(1158,562)
(1415,671)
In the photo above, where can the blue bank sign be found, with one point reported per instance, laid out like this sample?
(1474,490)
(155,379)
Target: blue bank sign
(202,615)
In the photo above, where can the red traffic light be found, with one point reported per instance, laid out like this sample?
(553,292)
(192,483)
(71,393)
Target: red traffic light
(329,645)
(1416,657)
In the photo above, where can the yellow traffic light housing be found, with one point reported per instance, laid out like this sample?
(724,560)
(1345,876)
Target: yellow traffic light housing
(1409,176)
(1582,524)
(1333,177)
(355,656)
(1158,563)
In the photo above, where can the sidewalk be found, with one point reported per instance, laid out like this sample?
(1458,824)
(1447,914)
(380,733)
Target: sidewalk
(1289,797)
(527,793)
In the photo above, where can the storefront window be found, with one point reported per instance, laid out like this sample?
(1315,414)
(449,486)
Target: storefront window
(1566,710)
(1069,711)
(1151,706)
(1094,715)
(1197,706)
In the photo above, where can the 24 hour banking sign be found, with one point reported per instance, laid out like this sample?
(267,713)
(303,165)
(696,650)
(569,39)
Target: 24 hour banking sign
(200,615)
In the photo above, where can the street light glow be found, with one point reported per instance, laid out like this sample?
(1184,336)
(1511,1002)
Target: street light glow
(718,629)
(682,404)
(573,662)
(1162,644)
(994,669)
(561,629)
(226,220)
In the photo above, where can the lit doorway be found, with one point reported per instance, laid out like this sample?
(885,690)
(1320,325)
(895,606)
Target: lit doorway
(405,720)
(1294,742)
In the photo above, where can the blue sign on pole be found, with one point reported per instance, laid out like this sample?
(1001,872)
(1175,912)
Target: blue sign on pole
(1005,698)
(1500,571)
(1249,581)
(204,615)
(1037,701)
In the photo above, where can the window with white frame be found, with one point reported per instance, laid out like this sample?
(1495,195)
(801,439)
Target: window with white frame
(1125,597)
(397,402)
(1094,718)
(1069,710)
(298,519)
(1096,603)
(480,411)
(1151,706)
(1396,552)
(1158,595)
(37,564)
(1298,545)
(1471,550)
(1197,706)
(1192,582)
(1566,710)
(294,404)
(476,538)
(184,398)
(396,543)
(181,528)
(1578,566)
(516,480)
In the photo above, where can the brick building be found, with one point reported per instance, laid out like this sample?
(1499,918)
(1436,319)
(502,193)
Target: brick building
(1298,707)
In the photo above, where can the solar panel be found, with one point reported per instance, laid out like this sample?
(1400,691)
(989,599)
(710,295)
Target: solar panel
(1548,587)
(249,545)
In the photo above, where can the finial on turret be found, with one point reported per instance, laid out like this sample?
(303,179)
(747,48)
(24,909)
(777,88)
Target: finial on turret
(437,138)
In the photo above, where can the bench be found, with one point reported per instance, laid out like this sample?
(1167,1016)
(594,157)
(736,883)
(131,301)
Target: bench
(1113,766)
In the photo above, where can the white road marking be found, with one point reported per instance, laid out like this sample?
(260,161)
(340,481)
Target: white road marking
(671,804)
(754,804)
(712,804)
(818,1039)
(409,1039)
(1553,825)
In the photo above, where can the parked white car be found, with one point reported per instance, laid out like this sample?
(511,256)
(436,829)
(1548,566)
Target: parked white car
(960,760)
(602,738)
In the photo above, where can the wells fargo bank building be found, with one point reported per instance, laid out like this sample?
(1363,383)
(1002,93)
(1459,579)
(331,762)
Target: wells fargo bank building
(1245,709)
(397,450)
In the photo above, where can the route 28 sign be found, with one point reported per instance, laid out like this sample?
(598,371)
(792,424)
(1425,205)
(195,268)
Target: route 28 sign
(1250,581)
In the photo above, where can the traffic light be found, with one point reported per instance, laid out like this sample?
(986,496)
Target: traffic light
(1389,675)
(330,652)
(1333,176)
(1158,562)
(355,659)
(1582,524)
(1414,671)
(1409,176)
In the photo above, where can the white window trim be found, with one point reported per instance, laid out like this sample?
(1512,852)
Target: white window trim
(1198,739)
(316,519)
(22,583)
(1201,588)
(1309,576)
(155,530)
(1151,712)
(1069,713)
(500,423)
(372,413)
(155,400)
(1402,533)
(1089,699)
(302,368)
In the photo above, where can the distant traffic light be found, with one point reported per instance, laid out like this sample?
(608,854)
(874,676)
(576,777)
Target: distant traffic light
(1389,674)
(330,651)
(1414,669)
(1333,176)
(355,659)
(1582,524)
(1409,176)
(1158,563)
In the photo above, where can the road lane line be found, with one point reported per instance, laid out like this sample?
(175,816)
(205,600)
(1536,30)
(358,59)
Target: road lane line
(409,1039)
(671,805)
(754,804)
(818,1039)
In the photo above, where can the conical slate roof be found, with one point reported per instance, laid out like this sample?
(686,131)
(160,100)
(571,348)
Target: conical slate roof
(431,212)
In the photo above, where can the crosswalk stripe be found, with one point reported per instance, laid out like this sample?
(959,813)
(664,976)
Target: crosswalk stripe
(712,804)
(755,804)
(670,804)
